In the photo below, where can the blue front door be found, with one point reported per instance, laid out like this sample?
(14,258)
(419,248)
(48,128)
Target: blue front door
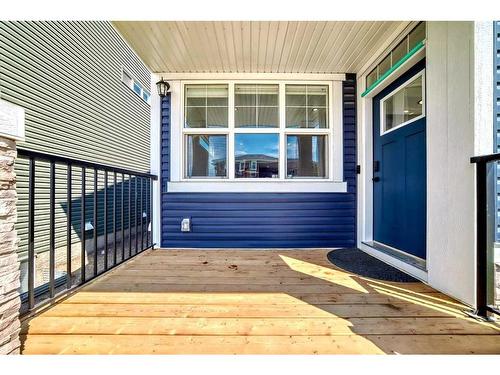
(399,177)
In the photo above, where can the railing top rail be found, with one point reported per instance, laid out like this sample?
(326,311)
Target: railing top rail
(81,163)
(485,158)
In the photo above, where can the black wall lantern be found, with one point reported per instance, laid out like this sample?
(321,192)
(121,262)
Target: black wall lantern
(162,86)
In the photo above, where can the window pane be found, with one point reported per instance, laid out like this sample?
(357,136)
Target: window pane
(400,50)
(295,117)
(384,65)
(217,117)
(206,156)
(306,156)
(417,35)
(267,95)
(256,155)
(196,95)
(295,95)
(316,118)
(245,95)
(371,78)
(313,111)
(137,89)
(206,106)
(256,106)
(317,96)
(404,105)
(245,117)
(195,117)
(217,95)
(268,117)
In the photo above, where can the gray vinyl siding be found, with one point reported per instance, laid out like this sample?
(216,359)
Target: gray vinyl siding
(67,76)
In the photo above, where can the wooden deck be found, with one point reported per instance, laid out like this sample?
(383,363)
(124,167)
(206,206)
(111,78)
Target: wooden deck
(252,302)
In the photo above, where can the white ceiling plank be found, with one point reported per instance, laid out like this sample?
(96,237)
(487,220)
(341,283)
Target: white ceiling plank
(331,45)
(364,31)
(256,46)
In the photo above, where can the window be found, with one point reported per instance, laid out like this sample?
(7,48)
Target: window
(246,131)
(256,106)
(206,106)
(206,156)
(135,86)
(410,41)
(306,106)
(305,156)
(404,105)
(258,154)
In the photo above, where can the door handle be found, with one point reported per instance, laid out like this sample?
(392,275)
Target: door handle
(376,179)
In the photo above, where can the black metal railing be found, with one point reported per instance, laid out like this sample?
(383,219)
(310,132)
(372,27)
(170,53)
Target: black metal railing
(483,238)
(128,214)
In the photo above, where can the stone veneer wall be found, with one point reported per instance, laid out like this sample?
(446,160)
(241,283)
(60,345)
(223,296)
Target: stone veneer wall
(9,262)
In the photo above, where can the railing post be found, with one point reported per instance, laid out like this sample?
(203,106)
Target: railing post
(82,229)
(31,234)
(96,176)
(135,214)
(481,238)
(151,211)
(122,190)
(105,219)
(114,218)
(52,229)
(129,215)
(69,214)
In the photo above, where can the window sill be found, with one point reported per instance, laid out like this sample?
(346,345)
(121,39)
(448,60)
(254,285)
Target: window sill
(303,186)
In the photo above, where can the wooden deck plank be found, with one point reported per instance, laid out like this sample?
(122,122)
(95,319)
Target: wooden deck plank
(355,344)
(251,311)
(252,302)
(254,298)
(291,326)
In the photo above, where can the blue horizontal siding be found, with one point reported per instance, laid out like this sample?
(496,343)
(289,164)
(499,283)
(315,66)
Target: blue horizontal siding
(275,220)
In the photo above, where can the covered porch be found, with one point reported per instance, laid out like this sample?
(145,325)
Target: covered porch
(252,302)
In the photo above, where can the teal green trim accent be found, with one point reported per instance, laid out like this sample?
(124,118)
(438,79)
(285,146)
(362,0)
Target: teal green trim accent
(413,51)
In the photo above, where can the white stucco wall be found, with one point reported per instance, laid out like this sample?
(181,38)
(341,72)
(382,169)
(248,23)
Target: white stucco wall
(458,127)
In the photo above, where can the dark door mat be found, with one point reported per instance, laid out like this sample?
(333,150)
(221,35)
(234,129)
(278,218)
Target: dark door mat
(362,264)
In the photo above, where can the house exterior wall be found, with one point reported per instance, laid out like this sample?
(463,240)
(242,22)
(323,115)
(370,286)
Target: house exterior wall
(459,126)
(68,78)
(247,220)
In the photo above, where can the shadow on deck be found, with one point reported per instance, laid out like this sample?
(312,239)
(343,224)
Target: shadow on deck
(252,302)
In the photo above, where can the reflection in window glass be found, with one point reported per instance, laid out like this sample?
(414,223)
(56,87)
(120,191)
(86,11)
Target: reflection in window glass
(400,51)
(371,78)
(256,155)
(256,106)
(306,156)
(306,106)
(417,35)
(137,89)
(384,65)
(206,106)
(404,105)
(206,156)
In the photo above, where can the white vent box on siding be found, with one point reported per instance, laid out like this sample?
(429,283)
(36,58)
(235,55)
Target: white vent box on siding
(11,121)
(186,225)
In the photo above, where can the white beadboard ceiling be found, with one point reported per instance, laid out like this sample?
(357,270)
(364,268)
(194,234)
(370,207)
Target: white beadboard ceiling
(256,46)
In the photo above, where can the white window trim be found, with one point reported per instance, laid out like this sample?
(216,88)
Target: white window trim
(395,91)
(333,183)
(133,81)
